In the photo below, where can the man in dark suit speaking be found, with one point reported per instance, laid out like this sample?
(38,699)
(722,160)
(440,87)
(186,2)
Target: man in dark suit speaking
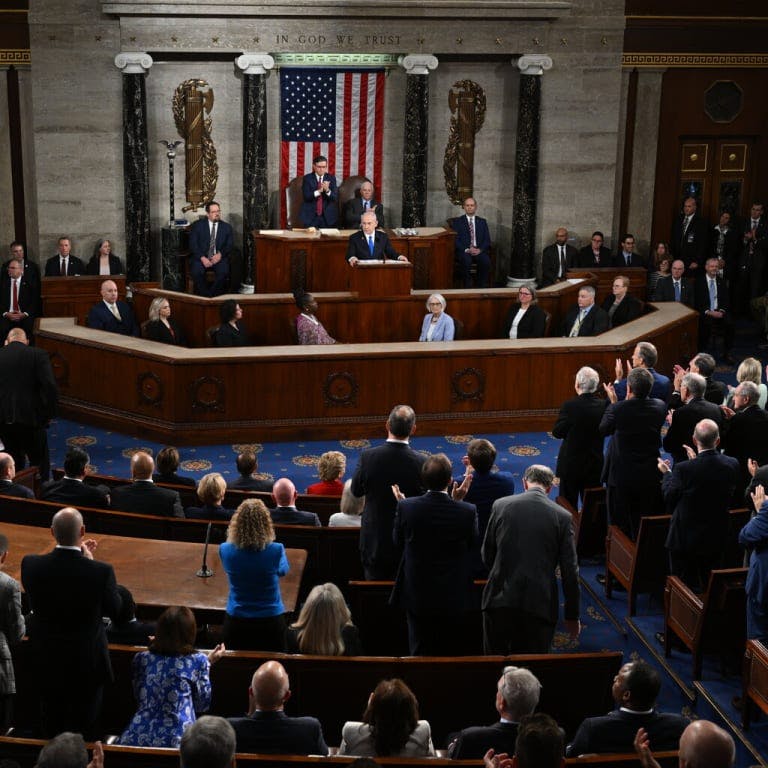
(473,243)
(69,592)
(320,208)
(370,243)
(210,245)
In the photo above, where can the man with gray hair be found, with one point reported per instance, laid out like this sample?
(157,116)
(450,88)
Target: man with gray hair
(69,592)
(586,318)
(684,419)
(699,492)
(527,539)
(645,356)
(580,460)
(517,695)
(68,750)
(11,632)
(208,743)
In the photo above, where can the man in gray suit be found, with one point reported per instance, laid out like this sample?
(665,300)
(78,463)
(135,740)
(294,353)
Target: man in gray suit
(527,538)
(11,632)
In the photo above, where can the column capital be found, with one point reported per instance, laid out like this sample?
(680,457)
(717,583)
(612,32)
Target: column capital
(255,63)
(133,62)
(534,63)
(417,63)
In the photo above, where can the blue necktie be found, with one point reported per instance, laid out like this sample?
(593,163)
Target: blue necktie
(677,291)
(370,244)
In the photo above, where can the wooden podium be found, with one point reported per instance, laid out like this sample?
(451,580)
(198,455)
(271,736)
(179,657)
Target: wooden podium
(380,278)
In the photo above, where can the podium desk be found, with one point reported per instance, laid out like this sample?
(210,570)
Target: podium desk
(285,260)
(158,573)
(380,278)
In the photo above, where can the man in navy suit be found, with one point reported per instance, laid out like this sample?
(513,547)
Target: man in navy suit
(284,493)
(7,486)
(690,238)
(19,301)
(586,318)
(357,206)
(712,303)
(473,243)
(626,257)
(266,728)
(635,690)
(674,287)
(370,243)
(210,245)
(31,269)
(69,592)
(112,315)
(698,492)
(63,263)
(645,356)
(71,490)
(557,259)
(320,208)
(142,495)
(437,533)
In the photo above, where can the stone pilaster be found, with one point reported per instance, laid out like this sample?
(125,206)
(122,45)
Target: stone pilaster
(255,67)
(415,137)
(531,67)
(134,66)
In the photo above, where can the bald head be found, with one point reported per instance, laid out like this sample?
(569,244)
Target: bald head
(705,745)
(7,467)
(284,492)
(67,527)
(270,687)
(16,334)
(142,466)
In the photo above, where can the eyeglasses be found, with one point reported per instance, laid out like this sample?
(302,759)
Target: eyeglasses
(524,293)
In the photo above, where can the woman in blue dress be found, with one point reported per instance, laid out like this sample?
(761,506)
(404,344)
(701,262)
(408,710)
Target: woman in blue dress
(171,682)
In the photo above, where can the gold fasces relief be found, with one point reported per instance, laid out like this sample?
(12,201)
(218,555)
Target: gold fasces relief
(190,107)
(466,100)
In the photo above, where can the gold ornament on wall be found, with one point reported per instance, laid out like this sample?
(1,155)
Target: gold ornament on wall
(466,100)
(190,107)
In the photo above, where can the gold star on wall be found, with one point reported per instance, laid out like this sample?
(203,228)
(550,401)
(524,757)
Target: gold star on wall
(498,41)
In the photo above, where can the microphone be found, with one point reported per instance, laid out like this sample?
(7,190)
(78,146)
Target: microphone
(205,572)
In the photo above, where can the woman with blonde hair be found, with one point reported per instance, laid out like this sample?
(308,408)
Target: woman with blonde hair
(750,369)
(210,490)
(331,469)
(324,626)
(350,509)
(161,326)
(254,563)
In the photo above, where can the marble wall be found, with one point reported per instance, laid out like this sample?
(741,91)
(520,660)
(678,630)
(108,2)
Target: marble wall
(75,96)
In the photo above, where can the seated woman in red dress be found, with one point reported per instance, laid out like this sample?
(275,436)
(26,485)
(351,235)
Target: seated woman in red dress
(331,469)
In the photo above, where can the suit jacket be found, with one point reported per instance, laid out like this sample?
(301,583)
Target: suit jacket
(661,388)
(731,247)
(527,538)
(585,258)
(75,493)
(357,739)
(155,330)
(173,479)
(460,225)
(694,246)
(100,318)
(436,536)
(31,274)
(353,210)
(618,261)
(115,265)
(274,733)
(227,336)
(11,630)
(208,512)
(358,246)
(616,731)
(665,290)
(701,295)
(698,493)
(532,324)
(472,743)
(578,426)
(308,213)
(595,322)
(377,471)
(68,595)
(18,491)
(74,266)
(29,296)
(684,421)
(146,498)
(200,238)
(745,436)
(550,263)
(631,460)
(629,309)
(755,536)
(293,516)
(28,392)
(249,484)
(444,328)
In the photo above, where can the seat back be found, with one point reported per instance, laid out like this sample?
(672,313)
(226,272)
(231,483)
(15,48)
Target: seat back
(293,201)
(348,189)
(547,322)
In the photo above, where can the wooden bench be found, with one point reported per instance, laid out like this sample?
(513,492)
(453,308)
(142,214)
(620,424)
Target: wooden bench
(712,622)
(452,692)
(754,680)
(25,752)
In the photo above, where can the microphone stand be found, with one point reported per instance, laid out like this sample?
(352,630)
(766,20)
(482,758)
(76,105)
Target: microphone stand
(205,572)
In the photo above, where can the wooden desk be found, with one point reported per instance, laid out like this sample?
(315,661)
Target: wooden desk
(158,573)
(604,276)
(380,278)
(290,260)
(74,296)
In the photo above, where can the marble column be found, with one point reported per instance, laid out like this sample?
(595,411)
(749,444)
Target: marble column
(135,66)
(255,68)
(521,267)
(415,137)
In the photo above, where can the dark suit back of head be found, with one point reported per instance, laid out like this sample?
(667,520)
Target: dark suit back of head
(401,421)
(75,462)
(540,742)
(640,382)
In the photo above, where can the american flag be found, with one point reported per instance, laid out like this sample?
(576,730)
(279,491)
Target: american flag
(331,112)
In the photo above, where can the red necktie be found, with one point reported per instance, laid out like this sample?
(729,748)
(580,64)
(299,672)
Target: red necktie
(15,295)
(319,204)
